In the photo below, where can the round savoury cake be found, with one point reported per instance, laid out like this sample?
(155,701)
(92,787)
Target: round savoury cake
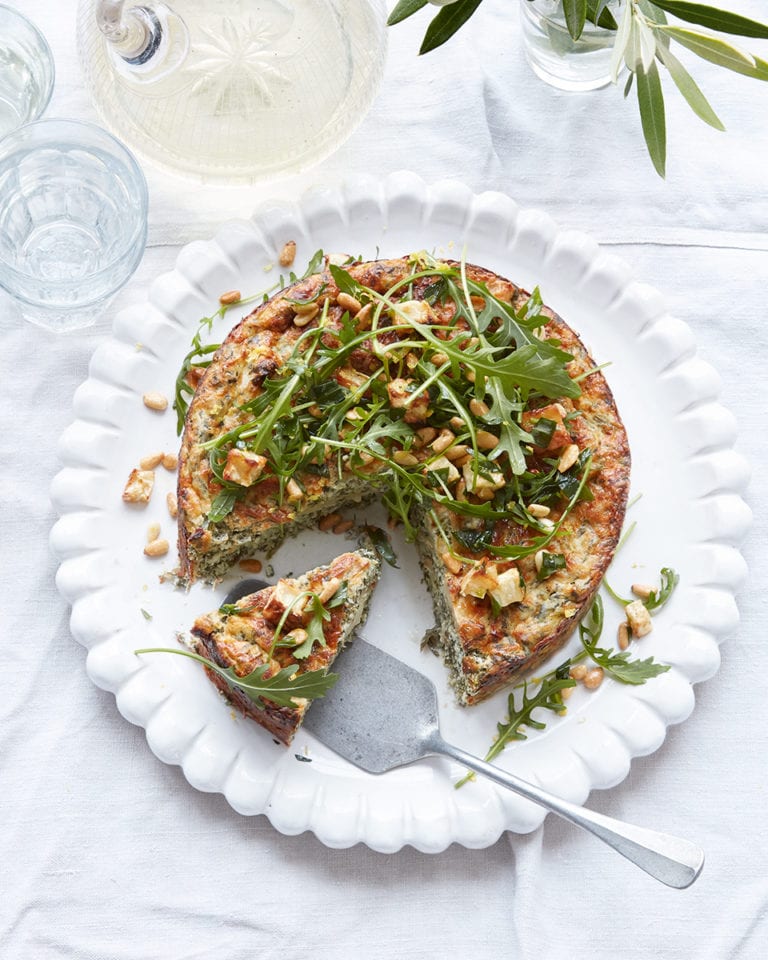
(458,399)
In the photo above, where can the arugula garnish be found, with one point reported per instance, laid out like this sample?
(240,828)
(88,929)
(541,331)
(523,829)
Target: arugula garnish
(657,598)
(616,663)
(314,626)
(547,694)
(283,688)
(322,412)
(231,610)
(548,690)
(183,390)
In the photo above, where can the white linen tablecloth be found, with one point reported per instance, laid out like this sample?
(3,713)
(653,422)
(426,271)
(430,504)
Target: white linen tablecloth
(108,854)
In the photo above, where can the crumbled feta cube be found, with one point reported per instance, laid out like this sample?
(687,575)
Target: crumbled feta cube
(479,581)
(410,311)
(243,467)
(638,618)
(494,480)
(139,486)
(509,589)
(443,463)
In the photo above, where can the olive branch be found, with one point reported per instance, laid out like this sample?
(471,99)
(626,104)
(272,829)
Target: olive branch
(643,43)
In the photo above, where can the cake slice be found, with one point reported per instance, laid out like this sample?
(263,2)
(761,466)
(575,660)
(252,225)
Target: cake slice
(302,622)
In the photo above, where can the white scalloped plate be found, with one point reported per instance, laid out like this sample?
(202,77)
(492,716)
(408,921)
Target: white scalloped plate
(691,517)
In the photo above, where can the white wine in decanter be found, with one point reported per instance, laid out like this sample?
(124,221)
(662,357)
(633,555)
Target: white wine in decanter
(232,90)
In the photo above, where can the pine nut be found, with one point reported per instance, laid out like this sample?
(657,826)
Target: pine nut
(153,532)
(456,452)
(157,548)
(344,526)
(404,458)
(294,490)
(538,560)
(451,562)
(303,308)
(155,400)
(461,489)
(250,565)
(623,636)
(149,463)
(231,296)
(363,318)
(427,434)
(642,590)
(444,441)
(328,589)
(349,303)
(467,458)
(329,522)
(172,504)
(439,358)
(297,636)
(594,678)
(287,254)
(170,461)
(478,407)
(567,692)
(486,440)
(568,457)
(457,423)
(302,319)
(469,375)
(578,672)
(538,510)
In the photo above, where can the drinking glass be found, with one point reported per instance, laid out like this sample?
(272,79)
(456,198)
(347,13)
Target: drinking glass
(73,220)
(26,71)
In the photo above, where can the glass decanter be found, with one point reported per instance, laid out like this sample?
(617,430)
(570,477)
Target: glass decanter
(232,90)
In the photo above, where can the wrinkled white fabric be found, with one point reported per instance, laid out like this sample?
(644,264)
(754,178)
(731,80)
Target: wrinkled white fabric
(107,854)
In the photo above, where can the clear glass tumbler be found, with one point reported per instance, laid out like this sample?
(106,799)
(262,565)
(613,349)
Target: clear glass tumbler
(73,220)
(26,71)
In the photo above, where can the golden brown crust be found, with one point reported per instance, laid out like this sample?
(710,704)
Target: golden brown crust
(494,648)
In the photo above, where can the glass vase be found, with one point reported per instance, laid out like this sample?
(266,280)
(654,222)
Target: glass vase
(557,58)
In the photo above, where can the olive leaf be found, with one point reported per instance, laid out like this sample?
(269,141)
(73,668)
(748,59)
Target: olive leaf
(719,52)
(623,35)
(575,16)
(651,101)
(599,14)
(689,88)
(405,9)
(447,22)
(706,16)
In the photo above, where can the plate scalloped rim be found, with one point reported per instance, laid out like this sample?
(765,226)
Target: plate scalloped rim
(186,725)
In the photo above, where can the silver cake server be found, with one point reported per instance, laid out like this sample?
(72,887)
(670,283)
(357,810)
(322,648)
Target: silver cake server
(382,714)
